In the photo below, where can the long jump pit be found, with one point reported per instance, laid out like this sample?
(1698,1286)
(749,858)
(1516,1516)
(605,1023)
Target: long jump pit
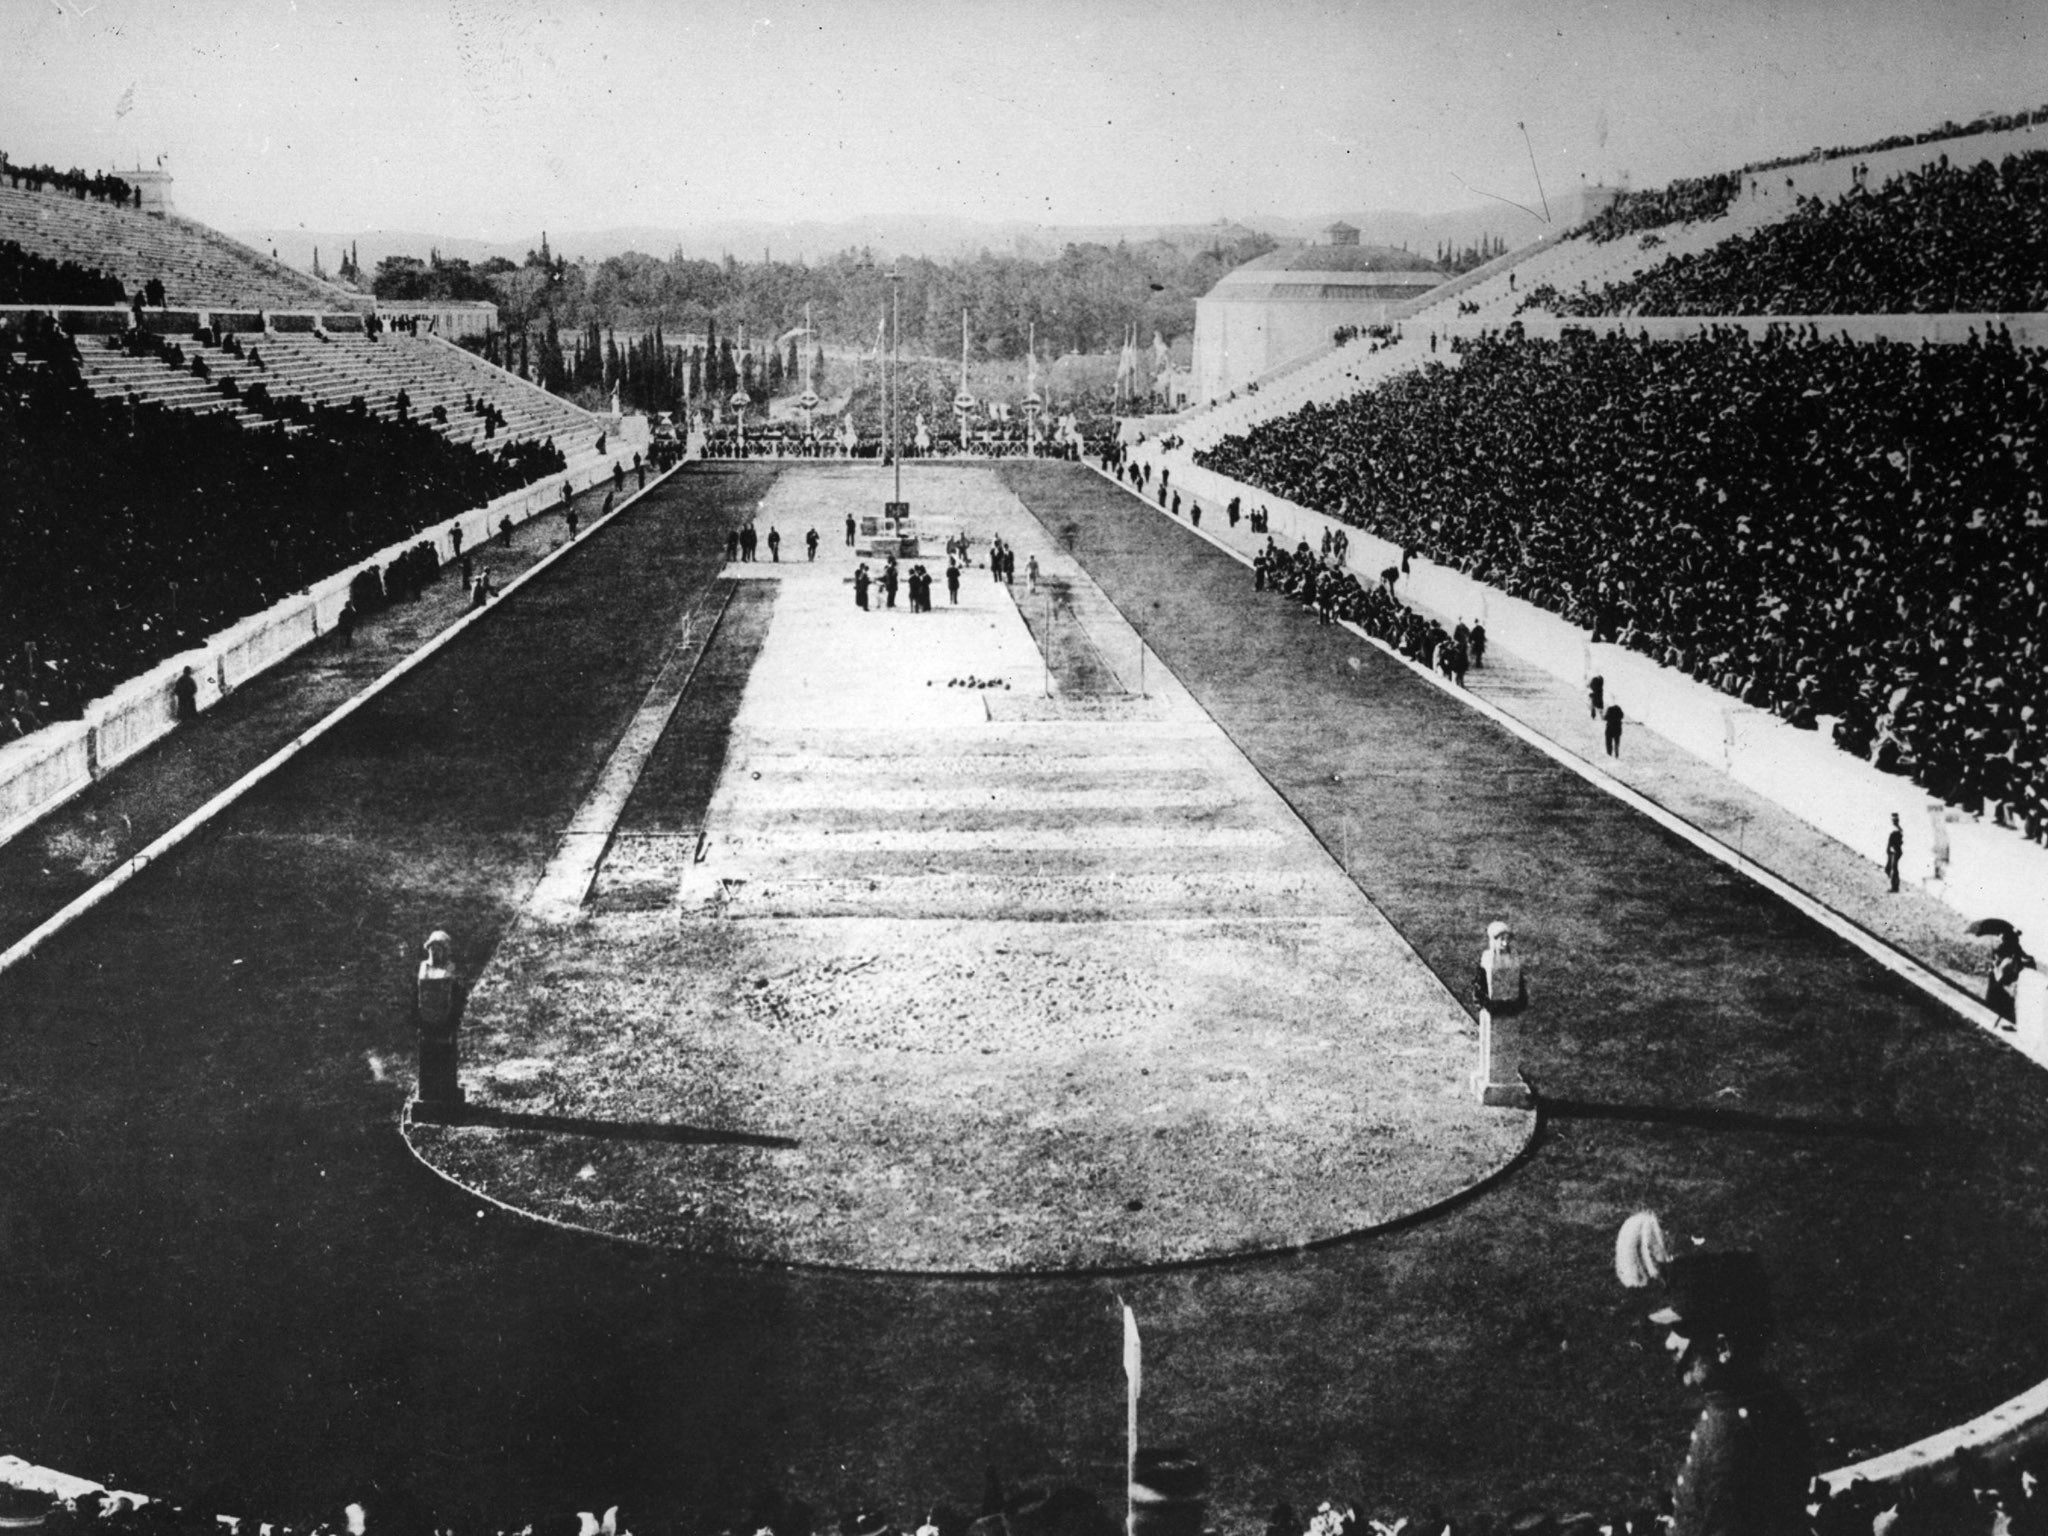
(959,942)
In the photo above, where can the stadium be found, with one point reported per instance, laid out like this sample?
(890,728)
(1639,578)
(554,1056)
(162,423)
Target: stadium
(867,906)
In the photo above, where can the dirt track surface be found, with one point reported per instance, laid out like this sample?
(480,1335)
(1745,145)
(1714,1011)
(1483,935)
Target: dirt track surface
(226,1278)
(958,988)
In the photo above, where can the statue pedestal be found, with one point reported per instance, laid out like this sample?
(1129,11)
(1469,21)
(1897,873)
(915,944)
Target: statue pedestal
(1498,1083)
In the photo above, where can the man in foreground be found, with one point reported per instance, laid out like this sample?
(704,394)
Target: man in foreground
(1748,1468)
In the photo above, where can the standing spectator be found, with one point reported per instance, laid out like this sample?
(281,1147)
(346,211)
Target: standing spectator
(2002,978)
(1478,645)
(1613,718)
(345,625)
(185,696)
(1894,850)
(1031,573)
(774,544)
(953,583)
(811,544)
(574,522)
(1596,695)
(860,586)
(849,530)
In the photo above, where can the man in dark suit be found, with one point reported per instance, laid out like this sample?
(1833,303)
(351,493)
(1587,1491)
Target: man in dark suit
(1749,1464)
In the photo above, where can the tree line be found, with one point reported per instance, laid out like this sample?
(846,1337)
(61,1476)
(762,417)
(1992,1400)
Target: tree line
(1083,300)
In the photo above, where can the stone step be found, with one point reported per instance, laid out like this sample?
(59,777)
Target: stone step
(1042,822)
(948,795)
(1147,882)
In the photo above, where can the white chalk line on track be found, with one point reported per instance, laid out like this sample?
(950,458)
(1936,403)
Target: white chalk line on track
(126,871)
(2009,1419)
(558,898)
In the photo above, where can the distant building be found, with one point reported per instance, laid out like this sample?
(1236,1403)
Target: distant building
(1286,303)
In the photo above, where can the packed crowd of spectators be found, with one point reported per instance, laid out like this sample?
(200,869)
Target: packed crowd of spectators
(1708,197)
(1818,527)
(133,531)
(1991,122)
(1942,239)
(28,278)
(786,439)
(1685,200)
(96,185)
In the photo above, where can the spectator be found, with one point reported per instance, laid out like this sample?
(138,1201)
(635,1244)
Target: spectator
(2002,976)
(1750,1461)
(1768,516)
(1940,240)
(114,565)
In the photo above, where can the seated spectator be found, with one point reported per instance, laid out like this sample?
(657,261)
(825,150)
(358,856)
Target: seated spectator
(114,565)
(1939,240)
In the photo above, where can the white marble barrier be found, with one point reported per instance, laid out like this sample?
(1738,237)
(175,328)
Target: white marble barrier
(1978,868)
(41,771)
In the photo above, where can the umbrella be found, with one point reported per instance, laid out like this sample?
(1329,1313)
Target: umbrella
(1991,928)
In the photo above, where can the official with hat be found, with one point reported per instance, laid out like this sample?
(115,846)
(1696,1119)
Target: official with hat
(1750,1463)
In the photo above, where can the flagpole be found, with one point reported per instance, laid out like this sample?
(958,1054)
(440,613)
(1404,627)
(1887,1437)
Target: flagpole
(1134,1374)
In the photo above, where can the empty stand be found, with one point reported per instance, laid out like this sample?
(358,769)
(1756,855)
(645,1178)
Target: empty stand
(338,370)
(199,267)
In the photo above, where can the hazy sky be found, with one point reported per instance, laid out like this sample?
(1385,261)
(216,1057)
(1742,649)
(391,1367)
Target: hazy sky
(495,118)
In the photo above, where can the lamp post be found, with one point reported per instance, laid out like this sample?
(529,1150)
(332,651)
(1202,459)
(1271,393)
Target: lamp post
(808,400)
(896,507)
(1033,402)
(963,403)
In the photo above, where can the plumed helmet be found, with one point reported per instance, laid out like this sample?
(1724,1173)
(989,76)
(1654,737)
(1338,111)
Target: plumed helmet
(1640,1250)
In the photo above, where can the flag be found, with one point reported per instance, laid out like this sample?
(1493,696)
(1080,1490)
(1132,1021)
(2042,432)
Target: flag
(1160,356)
(882,332)
(1134,1356)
